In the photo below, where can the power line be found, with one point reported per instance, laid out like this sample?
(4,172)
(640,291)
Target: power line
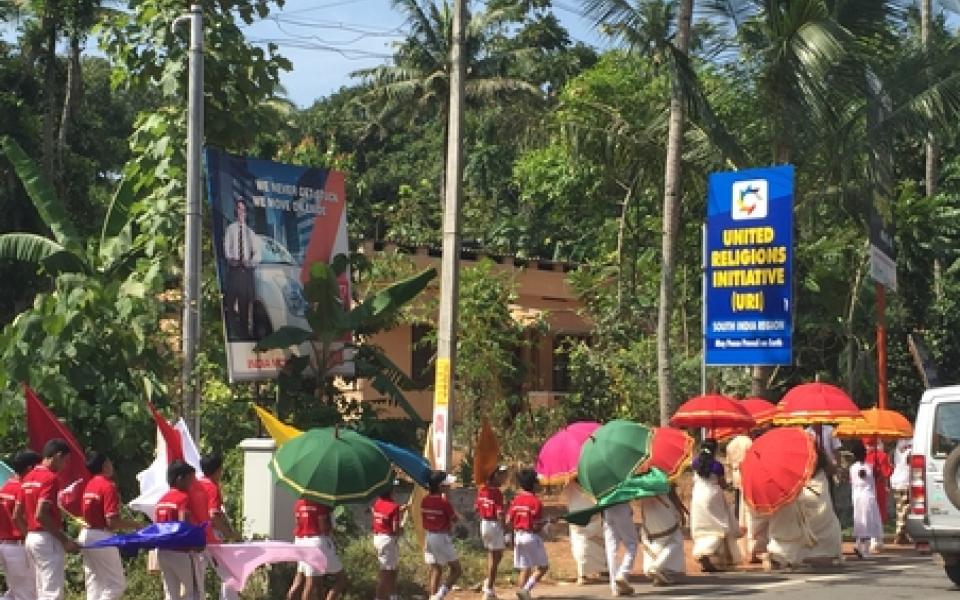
(347,53)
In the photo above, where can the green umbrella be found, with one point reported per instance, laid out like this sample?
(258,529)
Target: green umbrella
(332,466)
(611,454)
(652,483)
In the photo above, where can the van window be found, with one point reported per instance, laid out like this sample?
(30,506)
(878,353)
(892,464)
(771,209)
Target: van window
(946,428)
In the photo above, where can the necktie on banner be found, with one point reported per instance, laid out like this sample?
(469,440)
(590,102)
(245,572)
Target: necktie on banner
(153,479)
(43,426)
(236,562)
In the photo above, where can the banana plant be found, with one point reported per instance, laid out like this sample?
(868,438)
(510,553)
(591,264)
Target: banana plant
(331,321)
(64,252)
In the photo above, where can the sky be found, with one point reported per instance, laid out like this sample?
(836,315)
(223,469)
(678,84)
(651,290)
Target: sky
(326,40)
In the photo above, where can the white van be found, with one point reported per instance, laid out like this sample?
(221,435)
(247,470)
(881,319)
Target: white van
(934,488)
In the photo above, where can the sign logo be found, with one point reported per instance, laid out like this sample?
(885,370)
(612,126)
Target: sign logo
(749,200)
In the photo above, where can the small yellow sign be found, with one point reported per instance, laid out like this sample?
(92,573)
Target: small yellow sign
(441,384)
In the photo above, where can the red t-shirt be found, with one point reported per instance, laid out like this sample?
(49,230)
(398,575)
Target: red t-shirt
(10,494)
(214,504)
(489,502)
(100,501)
(307,515)
(525,512)
(437,513)
(386,517)
(170,506)
(40,485)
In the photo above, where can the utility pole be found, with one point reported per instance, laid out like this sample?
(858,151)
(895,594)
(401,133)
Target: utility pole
(444,391)
(192,234)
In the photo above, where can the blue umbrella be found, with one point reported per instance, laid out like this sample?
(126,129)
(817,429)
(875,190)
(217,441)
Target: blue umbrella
(5,472)
(411,463)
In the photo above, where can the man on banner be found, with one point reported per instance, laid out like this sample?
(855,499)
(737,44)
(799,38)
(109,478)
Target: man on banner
(46,542)
(241,248)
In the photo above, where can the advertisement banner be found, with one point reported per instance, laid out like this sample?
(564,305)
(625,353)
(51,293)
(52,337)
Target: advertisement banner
(748,266)
(271,221)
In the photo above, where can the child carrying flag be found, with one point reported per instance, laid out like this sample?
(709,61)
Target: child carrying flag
(386,530)
(490,508)
(525,517)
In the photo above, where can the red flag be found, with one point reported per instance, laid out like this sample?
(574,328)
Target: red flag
(43,426)
(171,436)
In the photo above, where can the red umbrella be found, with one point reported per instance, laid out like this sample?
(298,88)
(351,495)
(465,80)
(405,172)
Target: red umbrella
(711,411)
(761,410)
(557,461)
(670,450)
(811,403)
(776,467)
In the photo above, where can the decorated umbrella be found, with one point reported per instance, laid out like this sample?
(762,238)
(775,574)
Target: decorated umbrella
(711,411)
(776,467)
(670,450)
(877,422)
(812,403)
(332,466)
(761,410)
(557,461)
(611,454)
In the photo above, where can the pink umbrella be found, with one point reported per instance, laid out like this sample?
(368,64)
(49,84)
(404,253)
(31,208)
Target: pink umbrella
(557,461)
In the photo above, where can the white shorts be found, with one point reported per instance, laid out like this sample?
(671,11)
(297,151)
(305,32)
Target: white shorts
(325,543)
(528,550)
(491,532)
(388,551)
(439,549)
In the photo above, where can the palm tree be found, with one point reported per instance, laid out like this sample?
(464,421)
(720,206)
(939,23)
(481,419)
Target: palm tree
(417,83)
(646,27)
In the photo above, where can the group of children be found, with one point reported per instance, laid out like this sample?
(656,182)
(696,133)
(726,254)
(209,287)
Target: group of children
(34,543)
(524,518)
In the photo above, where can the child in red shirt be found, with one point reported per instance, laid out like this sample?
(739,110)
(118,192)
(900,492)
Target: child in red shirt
(438,516)
(525,517)
(180,568)
(490,508)
(386,529)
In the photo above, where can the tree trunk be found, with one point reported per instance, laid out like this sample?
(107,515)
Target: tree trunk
(932,162)
(48,26)
(72,95)
(671,224)
(621,234)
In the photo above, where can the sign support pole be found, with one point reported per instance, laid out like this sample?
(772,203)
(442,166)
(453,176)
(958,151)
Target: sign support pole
(703,309)
(881,346)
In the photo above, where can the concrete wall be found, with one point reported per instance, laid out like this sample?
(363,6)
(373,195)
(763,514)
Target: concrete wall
(267,509)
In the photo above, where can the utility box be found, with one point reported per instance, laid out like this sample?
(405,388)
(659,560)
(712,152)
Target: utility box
(267,509)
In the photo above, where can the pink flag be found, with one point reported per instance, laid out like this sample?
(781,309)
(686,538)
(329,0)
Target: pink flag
(236,562)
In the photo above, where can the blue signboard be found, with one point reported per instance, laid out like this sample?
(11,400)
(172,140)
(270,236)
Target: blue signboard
(749,257)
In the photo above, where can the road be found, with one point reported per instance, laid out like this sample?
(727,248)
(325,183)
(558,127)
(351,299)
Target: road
(891,576)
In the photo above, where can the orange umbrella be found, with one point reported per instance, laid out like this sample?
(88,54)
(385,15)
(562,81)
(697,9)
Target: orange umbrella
(811,403)
(776,467)
(711,411)
(878,422)
(670,450)
(761,410)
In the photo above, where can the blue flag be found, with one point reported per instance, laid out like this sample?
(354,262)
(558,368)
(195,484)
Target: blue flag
(174,535)
(411,463)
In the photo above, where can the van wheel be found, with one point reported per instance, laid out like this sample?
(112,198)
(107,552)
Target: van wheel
(953,572)
(261,322)
(950,485)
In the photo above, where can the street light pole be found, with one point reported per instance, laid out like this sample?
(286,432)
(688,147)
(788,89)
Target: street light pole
(192,235)
(443,394)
